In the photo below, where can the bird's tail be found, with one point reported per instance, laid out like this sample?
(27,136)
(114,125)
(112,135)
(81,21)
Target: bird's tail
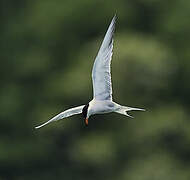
(123,110)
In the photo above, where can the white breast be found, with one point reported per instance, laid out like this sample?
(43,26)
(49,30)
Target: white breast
(101,107)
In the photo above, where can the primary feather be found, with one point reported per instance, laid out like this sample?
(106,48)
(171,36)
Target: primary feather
(101,72)
(64,114)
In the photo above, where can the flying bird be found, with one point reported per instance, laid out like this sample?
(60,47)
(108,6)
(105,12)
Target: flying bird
(102,87)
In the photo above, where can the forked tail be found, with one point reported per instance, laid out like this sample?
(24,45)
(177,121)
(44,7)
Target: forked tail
(123,110)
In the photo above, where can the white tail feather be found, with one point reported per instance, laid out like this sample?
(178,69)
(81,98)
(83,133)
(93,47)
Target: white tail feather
(123,110)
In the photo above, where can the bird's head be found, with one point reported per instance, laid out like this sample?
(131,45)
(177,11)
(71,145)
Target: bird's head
(85,114)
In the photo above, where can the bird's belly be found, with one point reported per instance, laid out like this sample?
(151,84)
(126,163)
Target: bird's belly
(102,107)
(102,111)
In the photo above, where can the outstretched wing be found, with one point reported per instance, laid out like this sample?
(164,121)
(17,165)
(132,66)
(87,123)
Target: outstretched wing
(64,114)
(101,75)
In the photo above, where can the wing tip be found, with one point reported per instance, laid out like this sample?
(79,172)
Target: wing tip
(114,20)
(38,127)
(115,17)
(112,27)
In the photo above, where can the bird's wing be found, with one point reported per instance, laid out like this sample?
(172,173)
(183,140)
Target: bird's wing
(64,114)
(101,75)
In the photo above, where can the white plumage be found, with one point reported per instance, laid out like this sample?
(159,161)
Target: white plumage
(101,72)
(64,114)
(102,86)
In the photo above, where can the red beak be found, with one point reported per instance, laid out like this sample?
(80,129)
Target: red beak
(86,121)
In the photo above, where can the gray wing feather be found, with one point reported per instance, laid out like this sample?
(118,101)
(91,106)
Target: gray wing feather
(101,73)
(64,114)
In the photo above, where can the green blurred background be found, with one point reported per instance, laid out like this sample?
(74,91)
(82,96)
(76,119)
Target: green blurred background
(47,52)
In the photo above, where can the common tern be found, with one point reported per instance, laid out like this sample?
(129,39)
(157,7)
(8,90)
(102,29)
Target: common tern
(102,87)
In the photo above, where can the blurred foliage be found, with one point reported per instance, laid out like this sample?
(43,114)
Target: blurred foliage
(47,52)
